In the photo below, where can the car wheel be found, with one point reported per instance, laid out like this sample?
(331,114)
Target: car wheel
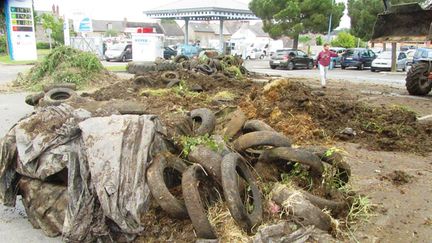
(334,64)
(290,66)
(343,67)
(310,65)
(404,69)
(272,66)
(373,70)
(361,67)
(123,59)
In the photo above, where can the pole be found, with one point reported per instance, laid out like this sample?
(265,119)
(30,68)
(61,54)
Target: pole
(394,57)
(49,38)
(66,31)
(221,38)
(186,31)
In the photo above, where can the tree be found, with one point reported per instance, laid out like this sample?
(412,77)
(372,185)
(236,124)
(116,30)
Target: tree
(294,17)
(363,14)
(56,25)
(319,41)
(345,40)
(111,33)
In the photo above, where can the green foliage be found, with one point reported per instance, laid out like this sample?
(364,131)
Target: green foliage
(235,71)
(363,14)
(55,24)
(189,143)
(345,40)
(43,45)
(319,41)
(291,18)
(299,174)
(111,33)
(304,38)
(360,209)
(3,45)
(64,64)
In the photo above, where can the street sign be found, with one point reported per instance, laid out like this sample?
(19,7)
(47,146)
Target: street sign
(82,23)
(20,30)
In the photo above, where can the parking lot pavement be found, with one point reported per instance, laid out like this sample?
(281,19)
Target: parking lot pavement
(351,75)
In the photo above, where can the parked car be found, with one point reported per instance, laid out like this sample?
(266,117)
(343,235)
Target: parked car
(357,57)
(290,59)
(383,61)
(410,56)
(255,53)
(168,53)
(335,61)
(119,52)
(421,54)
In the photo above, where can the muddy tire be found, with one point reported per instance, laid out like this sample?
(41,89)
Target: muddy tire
(232,167)
(191,182)
(257,125)
(322,203)
(294,155)
(155,176)
(209,159)
(335,159)
(417,79)
(166,66)
(261,138)
(205,69)
(243,70)
(47,88)
(173,83)
(207,119)
(169,76)
(143,80)
(33,99)
(180,58)
(234,126)
(58,96)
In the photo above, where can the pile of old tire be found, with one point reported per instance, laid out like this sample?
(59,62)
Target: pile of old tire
(226,174)
(54,94)
(140,68)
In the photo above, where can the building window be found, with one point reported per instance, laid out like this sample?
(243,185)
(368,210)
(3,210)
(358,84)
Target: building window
(109,26)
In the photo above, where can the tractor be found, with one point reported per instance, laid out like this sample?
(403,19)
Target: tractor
(408,22)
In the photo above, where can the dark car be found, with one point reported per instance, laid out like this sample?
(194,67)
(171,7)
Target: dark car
(422,54)
(357,57)
(290,59)
(168,53)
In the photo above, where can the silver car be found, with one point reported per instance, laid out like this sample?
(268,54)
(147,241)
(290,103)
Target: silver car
(383,61)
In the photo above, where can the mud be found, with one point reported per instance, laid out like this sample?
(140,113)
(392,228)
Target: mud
(294,109)
(399,177)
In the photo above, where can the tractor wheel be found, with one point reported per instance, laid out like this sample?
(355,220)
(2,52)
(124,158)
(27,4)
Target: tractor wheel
(417,82)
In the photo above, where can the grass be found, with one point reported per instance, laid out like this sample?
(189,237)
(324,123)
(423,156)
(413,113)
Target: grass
(116,68)
(41,53)
(189,143)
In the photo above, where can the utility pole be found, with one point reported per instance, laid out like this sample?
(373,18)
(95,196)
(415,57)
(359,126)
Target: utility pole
(394,57)
(330,23)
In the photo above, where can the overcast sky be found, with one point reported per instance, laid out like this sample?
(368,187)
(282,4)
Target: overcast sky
(116,10)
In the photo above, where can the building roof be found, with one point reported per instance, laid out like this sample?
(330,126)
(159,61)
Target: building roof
(102,25)
(216,28)
(201,27)
(172,29)
(202,10)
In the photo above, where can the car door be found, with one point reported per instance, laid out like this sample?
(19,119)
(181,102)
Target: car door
(371,57)
(401,61)
(301,59)
(128,52)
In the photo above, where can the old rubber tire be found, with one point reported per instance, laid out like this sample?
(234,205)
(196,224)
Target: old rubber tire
(257,125)
(58,96)
(294,155)
(233,166)
(173,83)
(335,159)
(180,58)
(143,80)
(205,69)
(417,79)
(156,182)
(209,159)
(207,119)
(261,138)
(33,99)
(235,125)
(47,88)
(169,76)
(195,206)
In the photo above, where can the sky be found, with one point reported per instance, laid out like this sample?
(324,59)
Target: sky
(118,10)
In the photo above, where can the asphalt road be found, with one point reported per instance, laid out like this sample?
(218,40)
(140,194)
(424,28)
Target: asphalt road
(349,75)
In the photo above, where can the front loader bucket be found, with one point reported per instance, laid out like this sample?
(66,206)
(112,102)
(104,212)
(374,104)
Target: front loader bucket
(404,22)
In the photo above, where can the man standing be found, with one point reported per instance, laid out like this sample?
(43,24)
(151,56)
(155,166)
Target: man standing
(324,59)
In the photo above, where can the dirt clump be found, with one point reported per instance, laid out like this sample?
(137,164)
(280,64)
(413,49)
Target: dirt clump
(294,109)
(399,177)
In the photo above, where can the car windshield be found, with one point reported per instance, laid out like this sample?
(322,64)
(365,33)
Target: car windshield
(351,52)
(117,47)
